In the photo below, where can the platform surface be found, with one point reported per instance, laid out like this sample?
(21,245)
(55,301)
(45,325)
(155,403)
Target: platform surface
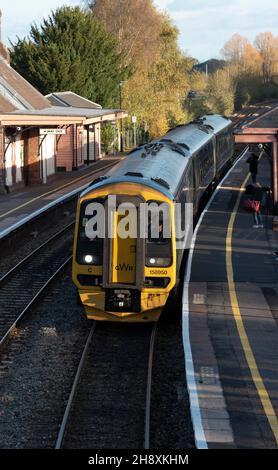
(23,203)
(230,315)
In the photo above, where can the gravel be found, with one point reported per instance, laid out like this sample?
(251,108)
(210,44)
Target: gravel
(42,360)
(38,368)
(171,426)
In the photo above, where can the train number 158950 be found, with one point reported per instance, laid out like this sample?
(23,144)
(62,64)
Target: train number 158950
(161,272)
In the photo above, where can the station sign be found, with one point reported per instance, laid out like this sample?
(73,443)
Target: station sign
(52,131)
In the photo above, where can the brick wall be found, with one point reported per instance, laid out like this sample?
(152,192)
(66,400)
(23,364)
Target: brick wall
(64,152)
(2,172)
(33,157)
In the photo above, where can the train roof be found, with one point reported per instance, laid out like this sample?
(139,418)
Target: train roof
(198,132)
(161,163)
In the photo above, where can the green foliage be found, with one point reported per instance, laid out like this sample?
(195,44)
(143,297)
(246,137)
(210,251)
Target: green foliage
(71,51)
(156,95)
(220,92)
(197,106)
(108,138)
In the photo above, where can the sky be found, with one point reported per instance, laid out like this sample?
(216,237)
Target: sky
(205,25)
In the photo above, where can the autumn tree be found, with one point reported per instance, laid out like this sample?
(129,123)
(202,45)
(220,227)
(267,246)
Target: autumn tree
(267,45)
(157,95)
(234,48)
(136,24)
(250,60)
(253,67)
(221,91)
(71,51)
(149,42)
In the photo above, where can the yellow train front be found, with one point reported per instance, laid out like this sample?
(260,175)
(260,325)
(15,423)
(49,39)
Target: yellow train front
(119,278)
(128,274)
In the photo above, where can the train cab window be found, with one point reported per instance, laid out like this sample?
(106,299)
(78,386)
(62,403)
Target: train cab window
(90,238)
(158,248)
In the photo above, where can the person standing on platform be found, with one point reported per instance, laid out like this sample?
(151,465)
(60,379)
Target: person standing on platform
(257,195)
(253,166)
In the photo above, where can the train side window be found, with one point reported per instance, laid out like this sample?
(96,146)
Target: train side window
(159,244)
(88,247)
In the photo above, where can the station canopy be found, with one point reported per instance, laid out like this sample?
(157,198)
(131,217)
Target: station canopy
(58,115)
(260,126)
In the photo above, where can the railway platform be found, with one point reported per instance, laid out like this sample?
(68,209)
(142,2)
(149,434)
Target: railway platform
(26,203)
(230,320)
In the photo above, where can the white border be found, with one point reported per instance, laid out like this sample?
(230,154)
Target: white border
(199,433)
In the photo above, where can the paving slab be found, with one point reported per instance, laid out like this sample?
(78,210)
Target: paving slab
(236,344)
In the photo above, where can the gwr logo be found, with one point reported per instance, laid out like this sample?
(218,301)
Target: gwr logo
(123,267)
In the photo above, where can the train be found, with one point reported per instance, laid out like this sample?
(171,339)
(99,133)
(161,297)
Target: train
(131,277)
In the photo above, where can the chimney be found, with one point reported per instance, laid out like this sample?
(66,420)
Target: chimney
(4,53)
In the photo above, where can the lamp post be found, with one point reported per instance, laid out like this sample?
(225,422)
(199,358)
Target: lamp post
(121,124)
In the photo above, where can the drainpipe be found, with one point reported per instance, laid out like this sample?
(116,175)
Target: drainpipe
(275,172)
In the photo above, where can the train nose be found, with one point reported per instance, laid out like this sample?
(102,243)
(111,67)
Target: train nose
(123,266)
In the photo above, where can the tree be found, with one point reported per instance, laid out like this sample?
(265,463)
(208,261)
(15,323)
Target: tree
(149,42)
(157,95)
(234,48)
(221,91)
(251,60)
(136,26)
(71,51)
(267,46)
(253,69)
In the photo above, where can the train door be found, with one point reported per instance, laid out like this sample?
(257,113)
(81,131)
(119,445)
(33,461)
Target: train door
(123,255)
(124,263)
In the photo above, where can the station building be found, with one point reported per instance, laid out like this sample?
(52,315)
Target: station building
(41,135)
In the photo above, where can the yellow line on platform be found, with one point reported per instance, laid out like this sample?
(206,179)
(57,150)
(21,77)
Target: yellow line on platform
(55,190)
(250,358)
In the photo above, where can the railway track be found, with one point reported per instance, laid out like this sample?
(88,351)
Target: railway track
(23,284)
(81,427)
(252,113)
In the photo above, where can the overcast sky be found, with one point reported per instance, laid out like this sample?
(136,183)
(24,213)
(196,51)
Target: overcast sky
(205,25)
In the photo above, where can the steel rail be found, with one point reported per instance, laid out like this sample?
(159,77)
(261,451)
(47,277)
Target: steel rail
(149,388)
(30,255)
(249,117)
(31,303)
(48,207)
(64,424)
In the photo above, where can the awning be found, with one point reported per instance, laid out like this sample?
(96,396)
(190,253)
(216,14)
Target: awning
(57,116)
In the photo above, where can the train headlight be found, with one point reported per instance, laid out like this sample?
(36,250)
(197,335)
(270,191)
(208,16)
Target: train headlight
(88,259)
(158,261)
